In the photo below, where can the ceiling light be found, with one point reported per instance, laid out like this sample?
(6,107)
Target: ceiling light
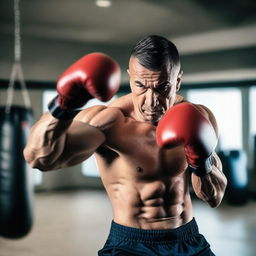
(103,3)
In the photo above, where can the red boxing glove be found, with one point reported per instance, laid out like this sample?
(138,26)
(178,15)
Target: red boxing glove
(185,124)
(95,75)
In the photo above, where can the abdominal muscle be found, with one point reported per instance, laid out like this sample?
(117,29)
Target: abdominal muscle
(151,205)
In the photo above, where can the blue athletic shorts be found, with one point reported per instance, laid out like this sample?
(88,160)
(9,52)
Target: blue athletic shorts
(184,240)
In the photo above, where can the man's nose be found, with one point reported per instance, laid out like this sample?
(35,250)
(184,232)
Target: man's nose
(151,98)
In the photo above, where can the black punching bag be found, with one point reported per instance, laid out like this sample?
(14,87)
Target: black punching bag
(235,168)
(16,185)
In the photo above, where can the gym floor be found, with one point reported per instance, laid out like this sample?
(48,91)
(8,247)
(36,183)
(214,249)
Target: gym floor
(77,223)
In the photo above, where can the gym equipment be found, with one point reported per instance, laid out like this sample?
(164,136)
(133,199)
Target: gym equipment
(235,168)
(16,186)
(16,183)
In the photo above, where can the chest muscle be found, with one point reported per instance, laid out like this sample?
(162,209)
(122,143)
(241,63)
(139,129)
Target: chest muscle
(139,154)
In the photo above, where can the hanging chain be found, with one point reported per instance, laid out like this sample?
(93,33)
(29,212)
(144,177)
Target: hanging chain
(17,68)
(17,38)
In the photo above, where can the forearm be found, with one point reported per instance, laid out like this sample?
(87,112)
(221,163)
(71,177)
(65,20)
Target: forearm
(46,141)
(211,187)
(54,143)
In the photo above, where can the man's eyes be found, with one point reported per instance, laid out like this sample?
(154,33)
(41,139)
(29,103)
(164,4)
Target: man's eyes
(161,88)
(139,85)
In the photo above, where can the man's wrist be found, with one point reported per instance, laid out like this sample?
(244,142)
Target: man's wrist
(204,168)
(58,112)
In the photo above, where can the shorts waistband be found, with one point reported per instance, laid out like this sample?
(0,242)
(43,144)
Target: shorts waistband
(181,233)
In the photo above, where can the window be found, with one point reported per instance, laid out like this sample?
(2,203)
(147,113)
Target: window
(47,97)
(252,127)
(226,105)
(253,111)
(89,167)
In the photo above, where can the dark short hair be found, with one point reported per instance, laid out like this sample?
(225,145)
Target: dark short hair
(155,52)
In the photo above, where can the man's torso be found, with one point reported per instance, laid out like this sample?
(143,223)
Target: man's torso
(148,186)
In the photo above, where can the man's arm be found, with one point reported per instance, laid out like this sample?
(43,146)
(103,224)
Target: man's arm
(210,187)
(195,127)
(55,143)
(65,137)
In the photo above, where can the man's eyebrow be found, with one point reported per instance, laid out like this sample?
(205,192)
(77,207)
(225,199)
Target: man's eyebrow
(157,85)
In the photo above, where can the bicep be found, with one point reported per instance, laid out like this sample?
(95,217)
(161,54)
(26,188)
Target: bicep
(81,136)
(81,142)
(88,132)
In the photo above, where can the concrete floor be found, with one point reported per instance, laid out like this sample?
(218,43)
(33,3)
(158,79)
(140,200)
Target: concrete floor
(77,223)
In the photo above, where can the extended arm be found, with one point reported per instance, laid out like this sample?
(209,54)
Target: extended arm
(63,137)
(55,143)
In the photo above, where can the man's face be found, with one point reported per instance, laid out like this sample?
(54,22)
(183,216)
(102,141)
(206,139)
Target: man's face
(153,92)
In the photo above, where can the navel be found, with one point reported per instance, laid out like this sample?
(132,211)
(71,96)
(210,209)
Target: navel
(139,169)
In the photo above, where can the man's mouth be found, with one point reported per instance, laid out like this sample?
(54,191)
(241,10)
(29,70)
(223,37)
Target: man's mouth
(153,113)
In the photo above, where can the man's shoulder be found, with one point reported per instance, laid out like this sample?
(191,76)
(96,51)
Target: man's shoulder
(179,99)
(101,116)
(124,104)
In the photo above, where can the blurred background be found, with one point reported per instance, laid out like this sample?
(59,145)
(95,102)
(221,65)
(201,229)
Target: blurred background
(217,45)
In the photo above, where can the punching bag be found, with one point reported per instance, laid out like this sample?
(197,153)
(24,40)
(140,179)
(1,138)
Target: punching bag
(235,168)
(16,184)
(16,187)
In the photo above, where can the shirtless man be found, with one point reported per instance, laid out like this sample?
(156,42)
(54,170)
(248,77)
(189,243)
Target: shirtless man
(145,164)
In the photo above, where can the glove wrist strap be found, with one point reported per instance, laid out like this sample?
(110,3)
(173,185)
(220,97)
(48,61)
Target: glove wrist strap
(203,169)
(60,113)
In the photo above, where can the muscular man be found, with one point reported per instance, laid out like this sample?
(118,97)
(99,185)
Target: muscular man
(148,144)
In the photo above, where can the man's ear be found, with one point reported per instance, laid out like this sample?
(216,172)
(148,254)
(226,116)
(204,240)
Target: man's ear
(128,72)
(179,78)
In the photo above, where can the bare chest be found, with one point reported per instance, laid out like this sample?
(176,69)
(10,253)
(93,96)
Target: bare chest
(139,156)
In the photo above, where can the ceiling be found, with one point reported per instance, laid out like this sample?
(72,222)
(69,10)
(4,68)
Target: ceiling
(216,39)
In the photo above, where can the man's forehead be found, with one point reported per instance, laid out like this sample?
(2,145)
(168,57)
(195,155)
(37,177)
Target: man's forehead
(139,72)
